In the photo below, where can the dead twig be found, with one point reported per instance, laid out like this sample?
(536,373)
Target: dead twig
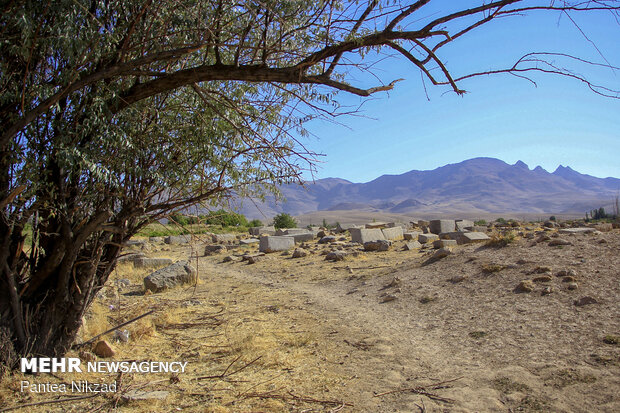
(290,396)
(225,374)
(113,329)
(424,390)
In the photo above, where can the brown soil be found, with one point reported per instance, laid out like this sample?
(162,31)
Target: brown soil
(377,332)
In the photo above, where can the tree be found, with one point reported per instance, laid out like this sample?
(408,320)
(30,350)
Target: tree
(114,114)
(284,220)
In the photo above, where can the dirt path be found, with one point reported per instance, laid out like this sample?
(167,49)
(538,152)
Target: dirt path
(508,352)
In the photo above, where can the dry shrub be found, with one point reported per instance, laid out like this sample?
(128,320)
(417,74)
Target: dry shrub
(501,240)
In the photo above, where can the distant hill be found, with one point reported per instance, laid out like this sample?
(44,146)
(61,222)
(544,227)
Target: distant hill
(484,185)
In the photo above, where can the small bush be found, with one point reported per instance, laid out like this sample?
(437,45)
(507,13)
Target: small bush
(255,223)
(480,222)
(284,220)
(500,220)
(552,218)
(501,240)
(611,339)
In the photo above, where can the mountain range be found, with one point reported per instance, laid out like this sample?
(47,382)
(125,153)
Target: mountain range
(479,185)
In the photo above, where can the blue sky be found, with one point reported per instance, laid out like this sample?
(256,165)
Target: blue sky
(559,122)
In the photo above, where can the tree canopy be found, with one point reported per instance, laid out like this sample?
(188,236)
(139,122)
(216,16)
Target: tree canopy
(116,113)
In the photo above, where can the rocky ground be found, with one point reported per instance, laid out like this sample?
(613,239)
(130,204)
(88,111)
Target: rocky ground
(527,325)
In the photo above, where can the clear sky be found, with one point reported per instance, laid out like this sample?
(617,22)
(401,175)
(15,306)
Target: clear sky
(559,122)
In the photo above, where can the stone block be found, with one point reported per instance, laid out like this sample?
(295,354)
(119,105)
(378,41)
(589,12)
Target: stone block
(302,237)
(423,223)
(379,245)
(144,262)
(464,225)
(411,236)
(275,243)
(469,237)
(479,228)
(224,238)
(249,241)
(437,226)
(180,272)
(582,230)
(441,243)
(214,249)
(347,227)
(373,225)
(424,238)
(256,231)
(393,233)
(412,246)
(177,239)
(363,235)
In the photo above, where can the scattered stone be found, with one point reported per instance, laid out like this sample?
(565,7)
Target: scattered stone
(275,243)
(180,272)
(135,395)
(156,240)
(327,239)
(542,279)
(231,258)
(572,286)
(526,286)
(559,241)
(379,245)
(249,241)
(214,249)
(362,235)
(587,300)
(541,269)
(441,243)
(566,273)
(424,238)
(437,226)
(413,245)
(457,279)
(441,253)
(300,253)
(393,233)
(322,233)
(602,241)
(123,282)
(546,290)
(121,335)
(387,298)
(581,230)
(247,257)
(253,259)
(151,262)
(543,238)
(336,256)
(177,239)
(550,224)
(568,279)
(103,349)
